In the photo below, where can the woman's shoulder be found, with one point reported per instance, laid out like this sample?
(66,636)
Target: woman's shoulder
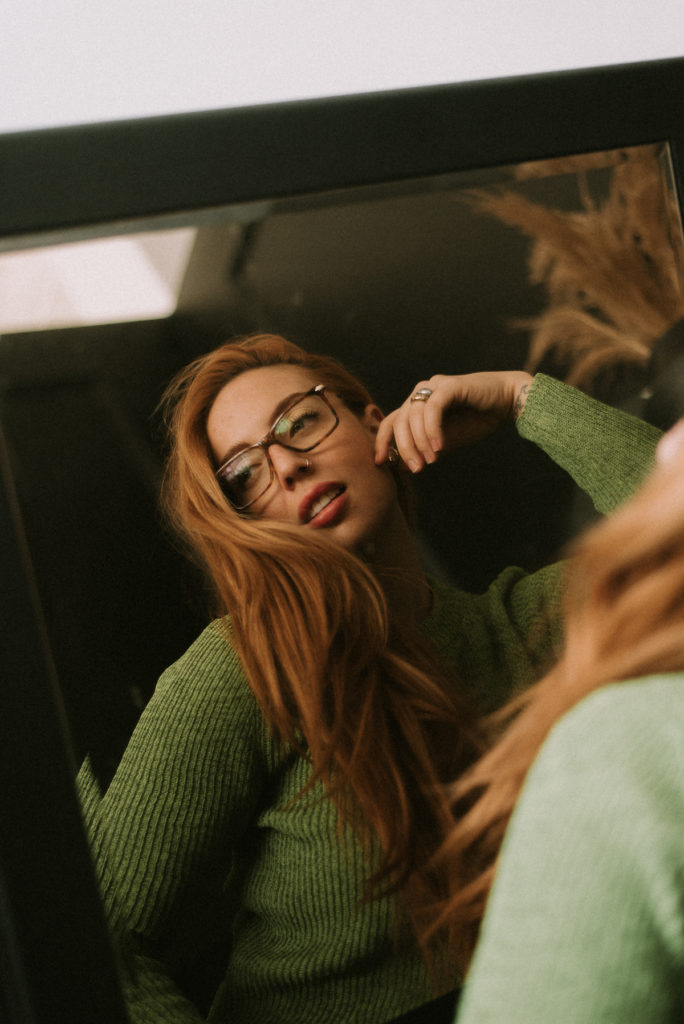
(204,699)
(630,735)
(209,666)
(212,648)
(651,706)
(584,919)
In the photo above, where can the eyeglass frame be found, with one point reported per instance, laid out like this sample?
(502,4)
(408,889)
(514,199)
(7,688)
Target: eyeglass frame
(269,438)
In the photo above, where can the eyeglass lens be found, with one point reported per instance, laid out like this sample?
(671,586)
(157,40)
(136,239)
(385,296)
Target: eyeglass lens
(246,476)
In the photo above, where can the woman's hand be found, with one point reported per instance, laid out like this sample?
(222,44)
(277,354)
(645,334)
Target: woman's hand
(459,411)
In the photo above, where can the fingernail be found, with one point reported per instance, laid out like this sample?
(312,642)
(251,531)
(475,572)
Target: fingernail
(413,465)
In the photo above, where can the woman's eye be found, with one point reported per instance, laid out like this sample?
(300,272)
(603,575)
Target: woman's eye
(301,422)
(239,476)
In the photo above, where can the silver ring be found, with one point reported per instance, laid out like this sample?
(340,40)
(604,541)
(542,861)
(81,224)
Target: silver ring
(421,395)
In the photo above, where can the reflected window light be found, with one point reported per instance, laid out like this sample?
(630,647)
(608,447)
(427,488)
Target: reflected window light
(108,280)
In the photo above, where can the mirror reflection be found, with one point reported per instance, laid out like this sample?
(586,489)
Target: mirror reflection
(571,265)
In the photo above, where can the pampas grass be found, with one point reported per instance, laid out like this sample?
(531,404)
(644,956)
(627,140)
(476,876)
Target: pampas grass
(612,270)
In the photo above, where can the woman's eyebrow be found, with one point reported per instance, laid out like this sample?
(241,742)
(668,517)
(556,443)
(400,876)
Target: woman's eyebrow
(277,410)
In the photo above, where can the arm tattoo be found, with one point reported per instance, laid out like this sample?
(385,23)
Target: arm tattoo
(520,400)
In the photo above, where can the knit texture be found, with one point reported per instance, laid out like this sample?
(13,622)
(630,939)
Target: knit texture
(211,869)
(585,922)
(606,451)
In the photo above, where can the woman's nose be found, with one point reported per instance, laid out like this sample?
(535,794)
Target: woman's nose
(288,465)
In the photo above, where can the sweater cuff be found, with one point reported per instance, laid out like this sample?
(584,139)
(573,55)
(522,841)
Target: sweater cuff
(548,401)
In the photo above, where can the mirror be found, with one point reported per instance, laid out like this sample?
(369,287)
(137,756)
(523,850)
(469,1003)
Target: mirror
(371,228)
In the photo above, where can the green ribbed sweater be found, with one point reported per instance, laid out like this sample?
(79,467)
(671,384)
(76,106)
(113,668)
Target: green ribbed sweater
(195,841)
(585,922)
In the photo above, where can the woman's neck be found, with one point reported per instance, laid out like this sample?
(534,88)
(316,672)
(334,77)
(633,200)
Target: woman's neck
(394,558)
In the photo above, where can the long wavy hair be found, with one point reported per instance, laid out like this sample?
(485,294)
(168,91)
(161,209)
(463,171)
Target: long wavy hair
(367,701)
(624,619)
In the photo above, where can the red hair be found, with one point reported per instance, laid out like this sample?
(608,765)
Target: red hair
(322,656)
(624,619)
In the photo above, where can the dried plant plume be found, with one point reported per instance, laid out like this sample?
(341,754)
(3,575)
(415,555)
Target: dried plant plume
(612,270)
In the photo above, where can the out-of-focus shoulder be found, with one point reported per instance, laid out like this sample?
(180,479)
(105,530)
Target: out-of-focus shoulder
(622,726)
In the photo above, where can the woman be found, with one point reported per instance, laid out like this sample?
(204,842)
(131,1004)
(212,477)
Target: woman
(273,822)
(585,922)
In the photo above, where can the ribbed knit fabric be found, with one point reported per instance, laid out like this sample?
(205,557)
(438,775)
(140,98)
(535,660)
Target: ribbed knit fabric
(203,855)
(602,449)
(585,922)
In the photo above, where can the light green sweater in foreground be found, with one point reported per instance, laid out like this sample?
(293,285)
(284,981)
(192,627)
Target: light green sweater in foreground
(585,923)
(197,844)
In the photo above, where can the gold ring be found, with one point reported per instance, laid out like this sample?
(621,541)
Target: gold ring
(421,395)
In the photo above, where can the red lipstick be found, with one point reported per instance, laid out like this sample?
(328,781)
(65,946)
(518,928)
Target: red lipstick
(323,504)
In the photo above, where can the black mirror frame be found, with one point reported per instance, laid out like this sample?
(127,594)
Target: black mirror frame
(55,961)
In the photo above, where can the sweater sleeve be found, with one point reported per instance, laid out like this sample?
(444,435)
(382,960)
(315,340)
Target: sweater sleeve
(164,835)
(607,452)
(585,921)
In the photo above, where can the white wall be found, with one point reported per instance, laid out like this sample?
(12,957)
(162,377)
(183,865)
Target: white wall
(72,61)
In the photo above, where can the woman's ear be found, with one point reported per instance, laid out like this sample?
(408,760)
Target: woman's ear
(372,418)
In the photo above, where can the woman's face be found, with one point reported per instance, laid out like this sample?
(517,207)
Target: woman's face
(340,491)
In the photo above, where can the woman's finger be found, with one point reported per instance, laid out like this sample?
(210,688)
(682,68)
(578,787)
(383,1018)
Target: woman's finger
(383,438)
(405,441)
(417,417)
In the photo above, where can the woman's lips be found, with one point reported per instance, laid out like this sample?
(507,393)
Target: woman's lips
(323,504)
